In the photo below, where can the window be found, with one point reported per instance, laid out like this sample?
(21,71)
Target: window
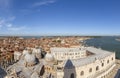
(82,73)
(90,70)
(112,58)
(97,68)
(102,64)
(65,54)
(107,61)
(72,75)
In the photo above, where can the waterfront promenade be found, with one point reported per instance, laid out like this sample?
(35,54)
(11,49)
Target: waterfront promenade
(115,69)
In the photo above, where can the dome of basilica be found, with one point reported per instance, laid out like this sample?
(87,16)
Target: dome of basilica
(30,58)
(49,57)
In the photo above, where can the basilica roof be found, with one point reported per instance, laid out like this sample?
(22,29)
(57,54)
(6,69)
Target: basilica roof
(49,57)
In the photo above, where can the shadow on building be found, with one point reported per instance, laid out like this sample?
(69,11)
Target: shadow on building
(42,71)
(69,70)
(43,53)
(118,74)
(2,73)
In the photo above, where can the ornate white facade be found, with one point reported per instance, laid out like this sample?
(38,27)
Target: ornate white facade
(68,53)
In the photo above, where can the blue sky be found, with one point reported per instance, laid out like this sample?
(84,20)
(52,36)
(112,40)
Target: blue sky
(60,17)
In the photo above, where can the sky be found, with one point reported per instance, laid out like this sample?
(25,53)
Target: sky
(59,17)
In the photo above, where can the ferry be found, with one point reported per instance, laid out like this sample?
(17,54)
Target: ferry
(118,39)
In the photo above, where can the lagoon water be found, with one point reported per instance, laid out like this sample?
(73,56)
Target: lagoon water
(107,43)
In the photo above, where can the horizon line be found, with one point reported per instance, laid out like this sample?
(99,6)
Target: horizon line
(57,35)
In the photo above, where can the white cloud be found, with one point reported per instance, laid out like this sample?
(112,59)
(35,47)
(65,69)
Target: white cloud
(5,4)
(8,25)
(2,22)
(12,18)
(16,28)
(45,2)
(5,22)
(32,7)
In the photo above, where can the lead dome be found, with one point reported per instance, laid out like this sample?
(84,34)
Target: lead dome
(49,57)
(30,59)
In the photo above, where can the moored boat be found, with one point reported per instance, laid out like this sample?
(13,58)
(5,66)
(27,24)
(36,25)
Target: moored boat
(117,39)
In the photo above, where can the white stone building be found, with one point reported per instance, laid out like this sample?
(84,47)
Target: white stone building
(74,62)
(97,65)
(68,53)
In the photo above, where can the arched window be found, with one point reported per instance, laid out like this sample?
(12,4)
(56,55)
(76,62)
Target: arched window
(112,58)
(97,68)
(107,61)
(82,73)
(90,70)
(72,75)
(102,64)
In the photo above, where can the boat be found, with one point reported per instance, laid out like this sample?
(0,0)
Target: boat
(118,39)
